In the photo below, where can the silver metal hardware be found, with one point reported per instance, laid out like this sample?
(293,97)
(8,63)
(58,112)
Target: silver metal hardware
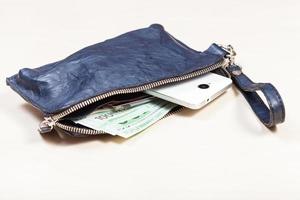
(237,72)
(231,53)
(231,57)
(46,125)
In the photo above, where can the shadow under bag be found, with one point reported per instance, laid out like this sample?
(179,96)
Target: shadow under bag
(125,66)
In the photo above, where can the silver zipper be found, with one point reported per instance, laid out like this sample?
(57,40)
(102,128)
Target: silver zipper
(51,121)
(86,131)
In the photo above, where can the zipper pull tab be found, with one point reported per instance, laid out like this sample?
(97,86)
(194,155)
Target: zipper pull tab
(46,126)
(231,53)
(231,58)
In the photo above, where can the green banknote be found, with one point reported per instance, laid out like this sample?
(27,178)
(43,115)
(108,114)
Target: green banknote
(129,119)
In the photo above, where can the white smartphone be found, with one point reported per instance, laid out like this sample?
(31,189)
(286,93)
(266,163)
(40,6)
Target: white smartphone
(193,93)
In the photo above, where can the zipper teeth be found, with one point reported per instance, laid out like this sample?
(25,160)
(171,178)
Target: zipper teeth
(83,131)
(86,131)
(137,89)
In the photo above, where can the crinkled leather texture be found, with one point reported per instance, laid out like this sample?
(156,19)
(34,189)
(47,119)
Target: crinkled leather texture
(132,59)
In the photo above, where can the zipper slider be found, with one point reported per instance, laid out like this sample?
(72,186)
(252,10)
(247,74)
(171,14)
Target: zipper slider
(46,126)
(231,58)
(231,53)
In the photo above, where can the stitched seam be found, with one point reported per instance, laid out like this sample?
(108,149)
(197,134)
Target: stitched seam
(282,112)
(271,113)
(271,109)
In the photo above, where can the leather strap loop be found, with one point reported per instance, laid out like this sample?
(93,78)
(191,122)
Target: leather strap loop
(269,115)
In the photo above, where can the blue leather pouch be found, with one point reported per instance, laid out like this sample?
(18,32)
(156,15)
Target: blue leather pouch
(129,64)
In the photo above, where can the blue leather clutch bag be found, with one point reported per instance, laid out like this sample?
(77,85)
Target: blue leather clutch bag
(127,65)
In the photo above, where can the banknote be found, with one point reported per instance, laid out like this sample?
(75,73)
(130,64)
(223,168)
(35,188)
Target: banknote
(128,119)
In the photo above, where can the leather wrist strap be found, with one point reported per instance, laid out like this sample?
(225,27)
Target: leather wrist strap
(269,115)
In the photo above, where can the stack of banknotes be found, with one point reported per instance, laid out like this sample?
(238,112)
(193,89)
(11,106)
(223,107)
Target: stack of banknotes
(127,119)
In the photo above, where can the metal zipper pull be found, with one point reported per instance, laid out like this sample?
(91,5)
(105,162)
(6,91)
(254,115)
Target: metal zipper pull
(46,126)
(231,53)
(231,60)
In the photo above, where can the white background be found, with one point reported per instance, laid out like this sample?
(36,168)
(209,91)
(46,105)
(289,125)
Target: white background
(219,152)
